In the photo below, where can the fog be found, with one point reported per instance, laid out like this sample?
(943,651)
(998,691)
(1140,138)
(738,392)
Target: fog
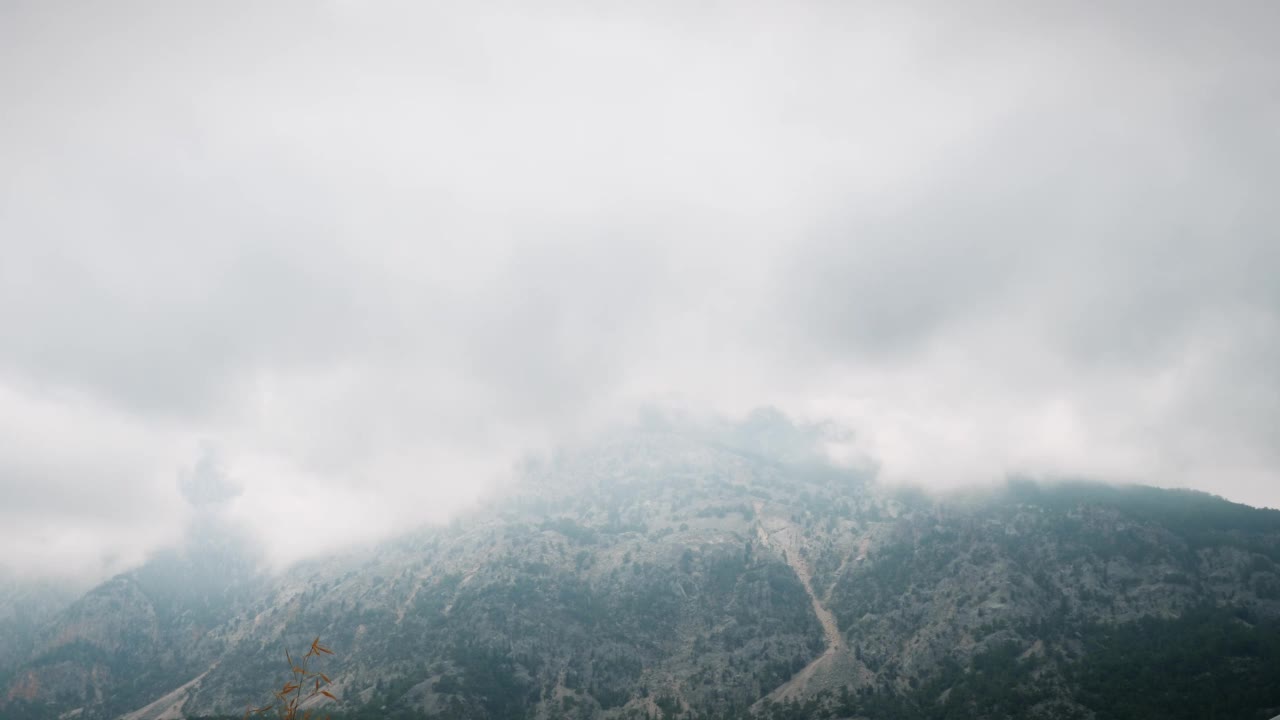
(279,261)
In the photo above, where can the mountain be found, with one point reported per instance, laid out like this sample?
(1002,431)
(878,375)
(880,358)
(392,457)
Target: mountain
(25,606)
(728,573)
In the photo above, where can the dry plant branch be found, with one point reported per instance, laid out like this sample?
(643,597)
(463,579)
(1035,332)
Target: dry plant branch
(289,699)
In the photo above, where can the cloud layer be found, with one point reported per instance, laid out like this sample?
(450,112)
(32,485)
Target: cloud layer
(371,254)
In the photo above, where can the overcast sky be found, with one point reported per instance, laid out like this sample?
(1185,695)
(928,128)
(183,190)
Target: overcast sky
(270,259)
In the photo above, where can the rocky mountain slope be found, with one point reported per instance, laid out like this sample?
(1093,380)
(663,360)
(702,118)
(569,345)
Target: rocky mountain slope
(723,574)
(25,606)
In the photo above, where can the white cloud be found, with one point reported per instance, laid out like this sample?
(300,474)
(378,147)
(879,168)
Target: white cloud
(376,252)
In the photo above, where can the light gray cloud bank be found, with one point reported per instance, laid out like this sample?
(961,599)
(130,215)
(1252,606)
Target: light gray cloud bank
(373,252)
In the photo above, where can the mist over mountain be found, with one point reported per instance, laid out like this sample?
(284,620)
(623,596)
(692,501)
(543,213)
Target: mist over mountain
(383,251)
(441,329)
(717,572)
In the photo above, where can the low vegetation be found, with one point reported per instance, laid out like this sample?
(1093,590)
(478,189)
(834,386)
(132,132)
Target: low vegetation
(289,700)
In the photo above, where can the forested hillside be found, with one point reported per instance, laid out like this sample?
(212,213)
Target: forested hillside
(676,575)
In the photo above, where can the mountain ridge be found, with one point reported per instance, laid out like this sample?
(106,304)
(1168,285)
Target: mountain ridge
(659,574)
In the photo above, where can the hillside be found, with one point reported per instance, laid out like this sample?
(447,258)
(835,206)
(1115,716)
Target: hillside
(714,575)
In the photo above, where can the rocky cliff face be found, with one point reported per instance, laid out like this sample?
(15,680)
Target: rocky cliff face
(664,575)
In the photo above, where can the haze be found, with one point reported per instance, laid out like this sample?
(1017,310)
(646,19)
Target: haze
(282,261)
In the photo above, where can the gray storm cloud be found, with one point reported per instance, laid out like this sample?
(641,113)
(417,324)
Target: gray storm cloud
(377,252)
